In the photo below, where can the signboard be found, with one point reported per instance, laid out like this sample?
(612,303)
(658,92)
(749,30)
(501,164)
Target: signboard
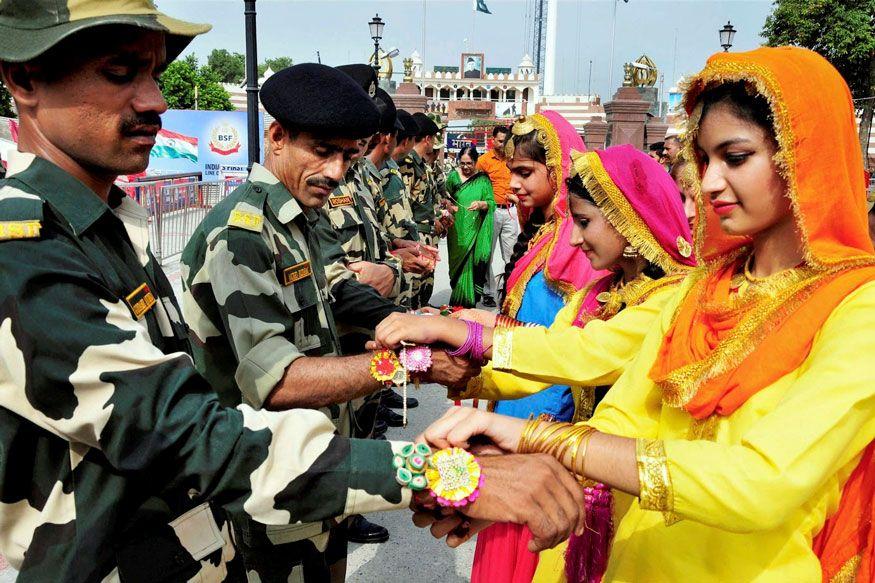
(210,142)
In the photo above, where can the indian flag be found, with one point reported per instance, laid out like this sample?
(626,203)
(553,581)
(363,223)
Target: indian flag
(173,145)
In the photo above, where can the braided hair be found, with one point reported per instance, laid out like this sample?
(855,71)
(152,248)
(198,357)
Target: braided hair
(525,146)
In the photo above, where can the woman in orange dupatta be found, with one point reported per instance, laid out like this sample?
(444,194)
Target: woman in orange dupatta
(744,430)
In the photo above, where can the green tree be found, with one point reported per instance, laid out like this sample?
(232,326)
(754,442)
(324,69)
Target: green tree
(5,102)
(843,31)
(230,67)
(275,64)
(178,84)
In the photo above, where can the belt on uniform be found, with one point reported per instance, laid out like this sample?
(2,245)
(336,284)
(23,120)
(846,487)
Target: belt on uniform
(505,205)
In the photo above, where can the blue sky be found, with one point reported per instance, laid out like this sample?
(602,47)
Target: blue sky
(339,30)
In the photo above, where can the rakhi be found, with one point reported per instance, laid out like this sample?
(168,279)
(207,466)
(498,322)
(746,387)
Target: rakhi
(454,477)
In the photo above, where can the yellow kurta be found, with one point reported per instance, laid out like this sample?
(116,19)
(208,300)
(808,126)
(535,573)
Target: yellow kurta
(743,501)
(528,360)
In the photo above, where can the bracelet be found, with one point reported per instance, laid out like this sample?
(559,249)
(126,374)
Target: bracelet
(557,440)
(473,345)
(454,477)
(410,465)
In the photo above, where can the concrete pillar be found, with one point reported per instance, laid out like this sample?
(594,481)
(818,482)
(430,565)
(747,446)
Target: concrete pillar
(654,131)
(626,115)
(595,132)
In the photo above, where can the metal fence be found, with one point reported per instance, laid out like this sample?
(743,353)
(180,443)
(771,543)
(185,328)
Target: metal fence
(176,209)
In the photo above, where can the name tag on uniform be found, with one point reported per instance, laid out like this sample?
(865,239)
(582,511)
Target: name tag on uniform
(19,230)
(296,272)
(244,220)
(340,200)
(141,300)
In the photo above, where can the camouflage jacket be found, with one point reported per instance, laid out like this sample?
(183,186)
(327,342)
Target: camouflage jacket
(395,215)
(113,442)
(419,182)
(352,214)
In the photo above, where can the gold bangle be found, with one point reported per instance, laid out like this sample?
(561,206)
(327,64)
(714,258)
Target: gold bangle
(525,437)
(584,445)
(548,438)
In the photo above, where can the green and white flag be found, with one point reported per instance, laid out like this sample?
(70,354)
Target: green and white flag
(480,6)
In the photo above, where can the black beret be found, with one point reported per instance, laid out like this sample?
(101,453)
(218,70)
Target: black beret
(320,99)
(411,128)
(426,126)
(388,113)
(364,75)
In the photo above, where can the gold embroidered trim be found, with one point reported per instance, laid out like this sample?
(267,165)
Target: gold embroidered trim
(584,403)
(471,391)
(653,476)
(759,314)
(502,348)
(703,429)
(848,572)
(619,213)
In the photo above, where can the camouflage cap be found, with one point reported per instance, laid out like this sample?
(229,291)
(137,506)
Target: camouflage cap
(28,28)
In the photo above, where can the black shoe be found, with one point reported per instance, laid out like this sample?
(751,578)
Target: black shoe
(363,531)
(393,400)
(380,429)
(391,418)
(489,302)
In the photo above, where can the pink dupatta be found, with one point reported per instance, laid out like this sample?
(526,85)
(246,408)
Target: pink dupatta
(566,268)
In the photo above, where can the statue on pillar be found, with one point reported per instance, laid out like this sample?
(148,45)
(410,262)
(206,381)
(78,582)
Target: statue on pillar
(408,70)
(627,75)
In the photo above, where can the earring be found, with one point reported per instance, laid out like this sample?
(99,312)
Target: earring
(629,252)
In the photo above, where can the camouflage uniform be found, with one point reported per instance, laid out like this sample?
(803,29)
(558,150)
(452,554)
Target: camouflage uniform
(419,182)
(352,214)
(395,215)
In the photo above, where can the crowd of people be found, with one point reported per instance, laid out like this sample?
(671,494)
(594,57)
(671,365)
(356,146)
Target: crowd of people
(677,370)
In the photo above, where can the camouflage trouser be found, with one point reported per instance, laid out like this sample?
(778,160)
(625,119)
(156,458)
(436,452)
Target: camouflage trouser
(426,285)
(364,413)
(318,559)
(409,290)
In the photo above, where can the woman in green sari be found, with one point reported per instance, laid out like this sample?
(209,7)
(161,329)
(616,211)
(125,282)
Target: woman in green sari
(470,238)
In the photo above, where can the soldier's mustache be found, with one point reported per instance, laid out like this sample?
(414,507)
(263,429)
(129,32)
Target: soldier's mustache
(322,182)
(142,124)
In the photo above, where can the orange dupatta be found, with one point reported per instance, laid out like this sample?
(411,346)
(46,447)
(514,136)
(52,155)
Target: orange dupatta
(720,351)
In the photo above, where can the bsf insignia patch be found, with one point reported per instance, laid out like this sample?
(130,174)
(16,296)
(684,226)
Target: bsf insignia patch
(19,230)
(244,220)
(340,200)
(141,300)
(297,272)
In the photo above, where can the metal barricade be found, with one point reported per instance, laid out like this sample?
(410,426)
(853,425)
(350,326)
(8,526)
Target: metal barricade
(179,210)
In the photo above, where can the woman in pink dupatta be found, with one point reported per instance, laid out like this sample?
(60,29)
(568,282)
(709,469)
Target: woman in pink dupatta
(626,215)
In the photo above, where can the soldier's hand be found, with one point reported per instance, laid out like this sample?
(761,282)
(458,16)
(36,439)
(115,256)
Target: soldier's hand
(439,228)
(404,243)
(377,275)
(413,261)
(534,490)
(450,371)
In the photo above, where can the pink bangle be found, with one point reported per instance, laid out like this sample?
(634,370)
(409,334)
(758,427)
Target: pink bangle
(473,345)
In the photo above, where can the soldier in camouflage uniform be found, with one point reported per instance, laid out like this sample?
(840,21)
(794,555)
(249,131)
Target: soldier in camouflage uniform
(419,182)
(257,299)
(114,446)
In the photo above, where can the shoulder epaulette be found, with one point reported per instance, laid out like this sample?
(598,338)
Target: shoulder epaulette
(21,214)
(249,212)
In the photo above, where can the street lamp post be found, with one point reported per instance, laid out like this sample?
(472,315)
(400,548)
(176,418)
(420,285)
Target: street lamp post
(727,33)
(376,25)
(253,139)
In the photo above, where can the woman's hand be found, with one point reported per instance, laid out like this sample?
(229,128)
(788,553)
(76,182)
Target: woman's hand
(478,205)
(398,328)
(483,317)
(460,424)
